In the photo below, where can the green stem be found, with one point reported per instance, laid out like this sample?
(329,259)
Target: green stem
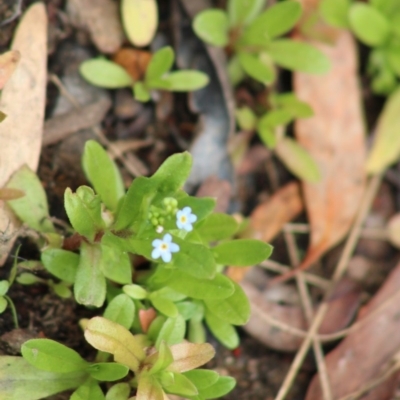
(13,311)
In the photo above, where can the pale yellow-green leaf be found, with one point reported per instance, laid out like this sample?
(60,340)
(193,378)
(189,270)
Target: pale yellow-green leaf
(113,338)
(188,356)
(140,19)
(386,148)
(297,160)
(149,389)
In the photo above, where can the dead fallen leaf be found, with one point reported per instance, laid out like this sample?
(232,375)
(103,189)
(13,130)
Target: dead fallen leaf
(334,137)
(10,194)
(268,218)
(134,61)
(61,126)
(8,63)
(23,100)
(363,354)
(101,19)
(219,189)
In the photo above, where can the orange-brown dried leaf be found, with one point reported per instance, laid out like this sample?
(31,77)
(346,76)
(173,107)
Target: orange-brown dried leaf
(11,194)
(363,355)
(134,61)
(335,138)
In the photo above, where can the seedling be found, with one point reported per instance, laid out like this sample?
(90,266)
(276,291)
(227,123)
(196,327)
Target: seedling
(252,38)
(108,74)
(384,17)
(186,245)
(271,128)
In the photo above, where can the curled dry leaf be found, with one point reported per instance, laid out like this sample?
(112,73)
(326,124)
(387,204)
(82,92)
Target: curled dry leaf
(101,19)
(8,63)
(363,355)
(134,61)
(188,356)
(334,137)
(23,100)
(268,310)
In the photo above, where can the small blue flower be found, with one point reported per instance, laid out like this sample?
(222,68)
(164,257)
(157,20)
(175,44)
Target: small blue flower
(163,248)
(185,219)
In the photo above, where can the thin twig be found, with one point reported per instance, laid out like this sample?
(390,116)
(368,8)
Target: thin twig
(315,280)
(133,165)
(348,250)
(309,313)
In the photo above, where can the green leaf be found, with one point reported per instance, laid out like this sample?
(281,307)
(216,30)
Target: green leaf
(90,390)
(32,208)
(220,388)
(21,380)
(181,386)
(103,174)
(292,104)
(62,264)
(108,372)
(386,148)
(141,92)
(108,336)
(135,291)
(194,259)
(116,265)
(335,12)
(275,118)
(245,118)
(119,391)
(28,279)
(256,68)
(297,160)
(169,294)
(275,21)
(217,226)
(201,206)
(160,63)
(164,306)
(211,25)
(84,211)
(243,12)
(202,378)
(168,179)
(186,80)
(172,332)
(163,358)
(4,285)
(223,331)
(61,289)
(393,57)
(48,355)
(299,56)
(140,20)
(121,310)
(242,252)
(216,288)
(267,135)
(234,309)
(3,306)
(235,71)
(105,73)
(90,283)
(390,8)
(362,17)
(187,309)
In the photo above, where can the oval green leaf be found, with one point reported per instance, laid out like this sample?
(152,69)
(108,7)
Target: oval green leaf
(299,56)
(61,263)
(212,27)
(223,331)
(368,24)
(186,80)
(160,63)
(297,160)
(108,372)
(256,68)
(105,73)
(121,310)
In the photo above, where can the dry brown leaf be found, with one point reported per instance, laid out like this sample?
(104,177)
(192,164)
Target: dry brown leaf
(8,63)
(268,218)
(363,355)
(101,19)
(23,100)
(334,137)
(134,61)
